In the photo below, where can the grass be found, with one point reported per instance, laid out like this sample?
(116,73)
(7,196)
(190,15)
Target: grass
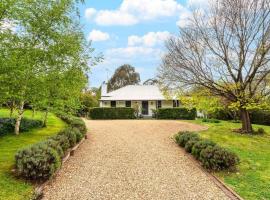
(10,187)
(253,178)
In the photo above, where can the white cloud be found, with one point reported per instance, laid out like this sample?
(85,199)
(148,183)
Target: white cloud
(96,35)
(150,39)
(184,19)
(90,13)
(133,52)
(198,3)
(107,18)
(132,12)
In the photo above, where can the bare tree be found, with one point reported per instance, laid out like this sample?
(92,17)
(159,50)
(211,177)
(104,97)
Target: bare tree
(226,51)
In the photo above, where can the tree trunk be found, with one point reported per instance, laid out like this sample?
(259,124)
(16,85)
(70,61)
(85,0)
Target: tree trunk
(33,112)
(246,123)
(11,112)
(19,118)
(45,118)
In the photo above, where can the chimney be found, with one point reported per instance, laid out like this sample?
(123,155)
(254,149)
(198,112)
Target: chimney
(104,89)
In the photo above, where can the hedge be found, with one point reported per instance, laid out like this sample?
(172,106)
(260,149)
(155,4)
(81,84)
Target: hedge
(7,125)
(41,160)
(112,113)
(212,156)
(260,117)
(176,113)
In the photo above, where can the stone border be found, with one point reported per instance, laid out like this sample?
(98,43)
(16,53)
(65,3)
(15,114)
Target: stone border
(38,192)
(218,182)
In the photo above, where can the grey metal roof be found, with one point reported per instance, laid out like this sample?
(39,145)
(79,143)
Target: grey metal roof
(135,92)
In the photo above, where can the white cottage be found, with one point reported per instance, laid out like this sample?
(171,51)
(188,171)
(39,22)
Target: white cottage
(147,97)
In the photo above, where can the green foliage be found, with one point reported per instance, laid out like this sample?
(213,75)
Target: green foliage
(260,131)
(260,117)
(112,113)
(55,144)
(184,137)
(123,75)
(39,162)
(190,144)
(7,125)
(79,135)
(210,120)
(217,158)
(71,135)
(62,140)
(199,146)
(176,113)
(88,100)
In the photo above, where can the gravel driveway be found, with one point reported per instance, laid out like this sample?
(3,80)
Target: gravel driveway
(132,159)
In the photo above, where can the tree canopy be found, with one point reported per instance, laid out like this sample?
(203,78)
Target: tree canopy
(43,55)
(123,75)
(225,49)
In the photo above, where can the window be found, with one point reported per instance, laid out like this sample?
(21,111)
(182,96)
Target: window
(113,104)
(158,104)
(128,104)
(175,103)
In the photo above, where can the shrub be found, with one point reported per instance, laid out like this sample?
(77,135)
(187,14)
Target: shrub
(190,144)
(260,117)
(185,137)
(62,140)
(54,144)
(199,146)
(71,135)
(7,125)
(79,124)
(217,158)
(112,113)
(39,162)
(176,113)
(260,131)
(211,120)
(79,135)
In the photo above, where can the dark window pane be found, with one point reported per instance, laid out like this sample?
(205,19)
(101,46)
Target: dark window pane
(128,104)
(158,104)
(113,104)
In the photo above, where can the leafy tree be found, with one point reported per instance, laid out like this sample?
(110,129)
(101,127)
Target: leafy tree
(225,50)
(44,61)
(89,99)
(123,75)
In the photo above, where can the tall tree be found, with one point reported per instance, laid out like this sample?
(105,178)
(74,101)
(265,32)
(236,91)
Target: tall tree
(151,81)
(225,50)
(45,47)
(123,75)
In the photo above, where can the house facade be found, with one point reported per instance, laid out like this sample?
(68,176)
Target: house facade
(144,97)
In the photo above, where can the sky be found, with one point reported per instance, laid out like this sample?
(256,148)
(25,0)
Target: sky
(132,32)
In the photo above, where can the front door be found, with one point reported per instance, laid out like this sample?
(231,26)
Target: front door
(145,107)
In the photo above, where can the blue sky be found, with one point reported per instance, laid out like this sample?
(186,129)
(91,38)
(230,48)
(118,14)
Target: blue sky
(131,32)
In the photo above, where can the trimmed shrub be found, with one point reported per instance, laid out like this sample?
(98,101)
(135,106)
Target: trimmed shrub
(79,135)
(190,144)
(112,113)
(39,162)
(199,146)
(56,146)
(176,113)
(79,124)
(211,120)
(62,140)
(185,137)
(260,117)
(217,158)
(7,125)
(71,135)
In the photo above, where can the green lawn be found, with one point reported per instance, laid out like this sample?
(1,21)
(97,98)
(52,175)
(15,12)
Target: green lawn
(252,181)
(10,187)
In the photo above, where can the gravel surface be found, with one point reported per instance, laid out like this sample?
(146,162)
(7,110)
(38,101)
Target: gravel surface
(132,159)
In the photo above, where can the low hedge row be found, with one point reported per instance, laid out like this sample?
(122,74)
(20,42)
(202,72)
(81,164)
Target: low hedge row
(176,113)
(7,125)
(211,155)
(112,113)
(40,161)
